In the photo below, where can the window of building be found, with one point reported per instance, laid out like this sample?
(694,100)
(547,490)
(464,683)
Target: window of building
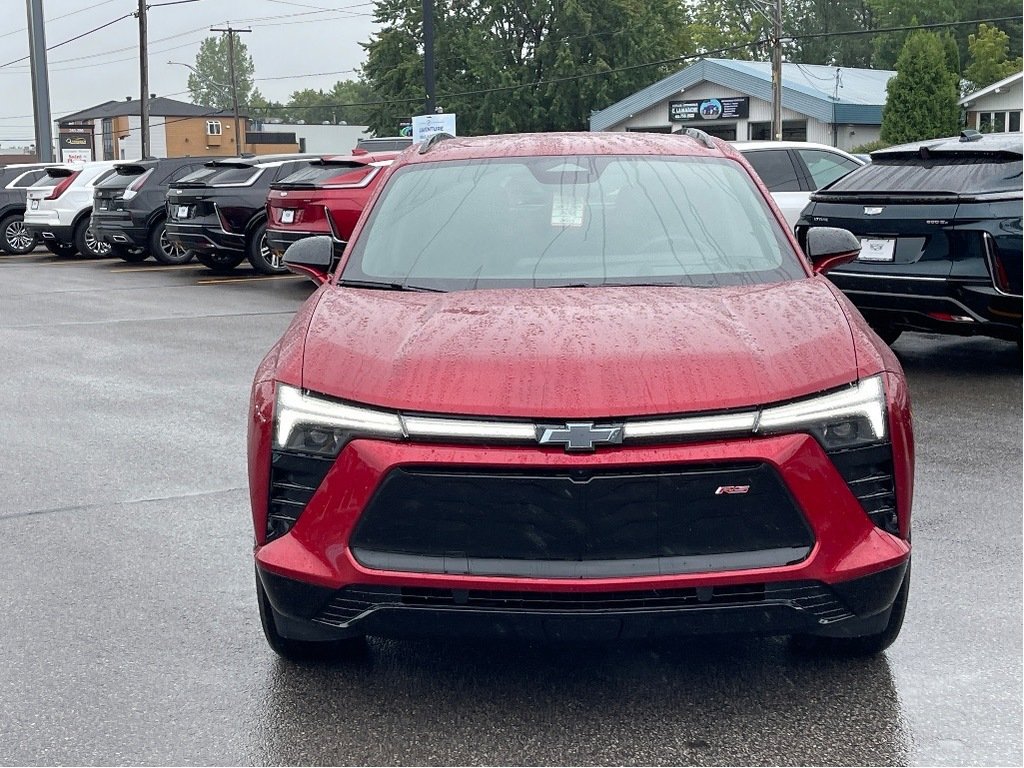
(776,169)
(107,126)
(651,129)
(998,122)
(213,128)
(726,132)
(792,130)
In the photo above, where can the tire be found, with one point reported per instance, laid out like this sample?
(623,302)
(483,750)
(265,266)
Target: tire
(129,254)
(866,645)
(887,332)
(220,262)
(60,249)
(260,256)
(87,244)
(164,250)
(15,239)
(304,650)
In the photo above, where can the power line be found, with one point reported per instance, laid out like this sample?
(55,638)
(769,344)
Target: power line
(58,18)
(72,39)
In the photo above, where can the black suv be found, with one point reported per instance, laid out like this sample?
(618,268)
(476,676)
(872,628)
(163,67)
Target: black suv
(220,211)
(129,209)
(15,239)
(940,229)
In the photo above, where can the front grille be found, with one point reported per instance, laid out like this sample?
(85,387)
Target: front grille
(294,478)
(869,473)
(480,519)
(816,598)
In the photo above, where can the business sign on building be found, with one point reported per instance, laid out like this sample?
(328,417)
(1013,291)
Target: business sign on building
(725,108)
(425,126)
(76,147)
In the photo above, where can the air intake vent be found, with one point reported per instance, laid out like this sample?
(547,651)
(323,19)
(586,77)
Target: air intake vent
(294,478)
(868,472)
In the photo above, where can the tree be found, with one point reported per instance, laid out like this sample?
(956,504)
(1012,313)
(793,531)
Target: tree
(515,66)
(210,83)
(921,99)
(988,52)
(339,105)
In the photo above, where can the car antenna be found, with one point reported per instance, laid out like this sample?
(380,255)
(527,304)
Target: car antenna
(436,138)
(701,136)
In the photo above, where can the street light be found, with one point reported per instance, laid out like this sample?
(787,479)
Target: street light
(224,88)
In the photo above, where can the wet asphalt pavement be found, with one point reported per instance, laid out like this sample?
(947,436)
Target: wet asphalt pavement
(128,625)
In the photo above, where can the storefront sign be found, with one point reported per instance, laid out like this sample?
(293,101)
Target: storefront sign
(425,126)
(75,148)
(726,108)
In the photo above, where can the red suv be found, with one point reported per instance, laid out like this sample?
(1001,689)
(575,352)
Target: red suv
(579,384)
(324,199)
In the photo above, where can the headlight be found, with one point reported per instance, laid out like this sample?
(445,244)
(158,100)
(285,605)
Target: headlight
(311,424)
(843,419)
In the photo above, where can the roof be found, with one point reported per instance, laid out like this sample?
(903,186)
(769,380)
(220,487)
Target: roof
(540,144)
(982,144)
(158,107)
(828,94)
(990,88)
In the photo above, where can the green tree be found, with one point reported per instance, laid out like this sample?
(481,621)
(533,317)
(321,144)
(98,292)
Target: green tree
(512,60)
(921,99)
(341,104)
(210,83)
(988,57)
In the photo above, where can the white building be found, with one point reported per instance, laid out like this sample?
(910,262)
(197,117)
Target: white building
(733,100)
(316,139)
(997,108)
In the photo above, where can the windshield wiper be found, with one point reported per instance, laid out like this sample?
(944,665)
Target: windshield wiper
(622,284)
(385,286)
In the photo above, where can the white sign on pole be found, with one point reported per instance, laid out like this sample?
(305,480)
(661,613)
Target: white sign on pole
(425,126)
(76,155)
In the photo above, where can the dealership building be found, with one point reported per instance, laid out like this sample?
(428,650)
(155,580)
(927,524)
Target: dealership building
(731,99)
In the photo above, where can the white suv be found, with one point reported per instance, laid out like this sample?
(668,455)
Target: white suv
(792,170)
(58,210)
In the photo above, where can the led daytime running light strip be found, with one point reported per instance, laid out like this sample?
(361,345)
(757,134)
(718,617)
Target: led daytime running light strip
(866,399)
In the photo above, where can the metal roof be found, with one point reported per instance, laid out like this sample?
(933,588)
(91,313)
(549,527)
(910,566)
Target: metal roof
(158,107)
(828,94)
(994,88)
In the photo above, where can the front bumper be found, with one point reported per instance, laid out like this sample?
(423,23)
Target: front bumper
(313,569)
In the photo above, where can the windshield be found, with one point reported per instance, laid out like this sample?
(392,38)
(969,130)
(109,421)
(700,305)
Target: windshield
(575,220)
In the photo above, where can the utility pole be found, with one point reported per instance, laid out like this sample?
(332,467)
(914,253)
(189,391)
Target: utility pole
(428,55)
(40,81)
(144,78)
(777,71)
(234,85)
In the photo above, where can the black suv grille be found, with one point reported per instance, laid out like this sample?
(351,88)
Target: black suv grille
(814,597)
(662,520)
(868,471)
(294,478)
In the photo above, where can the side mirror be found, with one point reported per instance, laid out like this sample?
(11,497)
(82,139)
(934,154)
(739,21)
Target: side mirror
(312,257)
(829,247)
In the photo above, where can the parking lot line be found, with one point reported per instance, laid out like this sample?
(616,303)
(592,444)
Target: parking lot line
(164,268)
(250,279)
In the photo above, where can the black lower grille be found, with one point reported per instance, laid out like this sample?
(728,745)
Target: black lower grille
(816,598)
(294,478)
(668,517)
(869,473)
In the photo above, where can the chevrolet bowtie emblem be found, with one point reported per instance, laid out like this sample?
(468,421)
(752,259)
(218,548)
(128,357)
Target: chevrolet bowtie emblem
(580,435)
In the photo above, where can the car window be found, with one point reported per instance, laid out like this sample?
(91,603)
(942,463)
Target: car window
(776,169)
(287,169)
(575,220)
(239,176)
(201,175)
(26,179)
(180,173)
(826,167)
(957,174)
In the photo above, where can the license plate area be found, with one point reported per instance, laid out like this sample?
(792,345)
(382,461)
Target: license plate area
(182,212)
(35,205)
(287,216)
(877,250)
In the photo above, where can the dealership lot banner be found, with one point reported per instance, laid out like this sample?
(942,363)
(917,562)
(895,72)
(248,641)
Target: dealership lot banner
(726,108)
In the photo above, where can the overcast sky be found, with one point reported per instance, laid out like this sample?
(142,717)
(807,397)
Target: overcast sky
(290,39)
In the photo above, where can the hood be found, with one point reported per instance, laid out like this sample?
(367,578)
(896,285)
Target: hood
(579,352)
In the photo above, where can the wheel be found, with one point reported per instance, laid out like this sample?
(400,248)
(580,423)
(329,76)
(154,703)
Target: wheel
(60,249)
(263,260)
(304,650)
(866,645)
(886,332)
(129,254)
(86,242)
(15,238)
(219,261)
(164,250)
